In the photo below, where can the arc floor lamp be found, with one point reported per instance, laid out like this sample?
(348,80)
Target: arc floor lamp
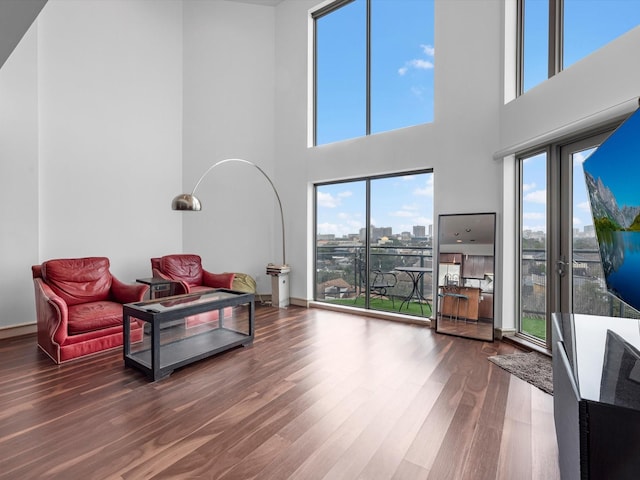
(279,273)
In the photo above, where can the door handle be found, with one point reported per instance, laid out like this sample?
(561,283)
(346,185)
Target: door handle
(561,267)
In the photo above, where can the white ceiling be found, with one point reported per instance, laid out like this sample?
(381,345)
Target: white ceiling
(478,229)
(271,3)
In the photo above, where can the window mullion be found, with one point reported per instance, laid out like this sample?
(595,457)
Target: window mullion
(520,48)
(368,73)
(555,37)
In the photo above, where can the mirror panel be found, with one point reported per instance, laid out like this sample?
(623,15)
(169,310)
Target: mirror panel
(466,266)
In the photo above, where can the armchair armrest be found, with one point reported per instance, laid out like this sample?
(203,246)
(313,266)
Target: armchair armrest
(217,280)
(52,315)
(127,293)
(180,287)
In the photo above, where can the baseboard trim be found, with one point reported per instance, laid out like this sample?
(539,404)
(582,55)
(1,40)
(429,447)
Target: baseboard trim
(396,317)
(18,330)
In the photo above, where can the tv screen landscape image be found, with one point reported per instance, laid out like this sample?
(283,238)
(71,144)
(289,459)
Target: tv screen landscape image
(612,175)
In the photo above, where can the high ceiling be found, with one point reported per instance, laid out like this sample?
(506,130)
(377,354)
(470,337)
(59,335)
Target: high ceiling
(15,19)
(259,2)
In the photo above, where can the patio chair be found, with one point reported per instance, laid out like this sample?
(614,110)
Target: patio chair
(380,282)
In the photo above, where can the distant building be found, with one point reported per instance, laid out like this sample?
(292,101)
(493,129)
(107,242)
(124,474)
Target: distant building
(326,236)
(419,231)
(376,233)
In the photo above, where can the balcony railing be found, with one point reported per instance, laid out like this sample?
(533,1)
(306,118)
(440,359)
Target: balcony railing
(589,290)
(341,274)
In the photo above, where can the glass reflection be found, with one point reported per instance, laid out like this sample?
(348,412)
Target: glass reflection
(466,252)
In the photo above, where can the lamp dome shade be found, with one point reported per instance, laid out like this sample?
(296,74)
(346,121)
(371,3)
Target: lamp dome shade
(187,202)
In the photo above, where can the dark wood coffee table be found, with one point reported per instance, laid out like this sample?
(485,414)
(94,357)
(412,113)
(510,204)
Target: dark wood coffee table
(163,350)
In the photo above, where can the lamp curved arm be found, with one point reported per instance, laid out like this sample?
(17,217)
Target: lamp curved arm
(196,203)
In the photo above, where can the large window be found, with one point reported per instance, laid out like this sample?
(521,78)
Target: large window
(355,264)
(555,34)
(374,63)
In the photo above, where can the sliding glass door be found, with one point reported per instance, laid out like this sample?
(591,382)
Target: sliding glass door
(365,230)
(559,264)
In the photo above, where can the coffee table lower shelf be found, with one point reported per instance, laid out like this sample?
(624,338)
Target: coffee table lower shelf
(187,350)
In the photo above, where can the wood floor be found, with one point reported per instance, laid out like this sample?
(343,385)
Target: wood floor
(319,394)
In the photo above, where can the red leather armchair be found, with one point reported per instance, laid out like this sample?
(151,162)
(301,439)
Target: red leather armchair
(189,277)
(186,270)
(79,307)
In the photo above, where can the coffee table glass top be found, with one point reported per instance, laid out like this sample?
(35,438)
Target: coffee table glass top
(182,301)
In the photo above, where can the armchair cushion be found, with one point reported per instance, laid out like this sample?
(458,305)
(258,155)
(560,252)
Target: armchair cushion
(78,280)
(185,267)
(88,317)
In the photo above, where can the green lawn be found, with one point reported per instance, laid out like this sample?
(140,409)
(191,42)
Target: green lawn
(535,327)
(386,305)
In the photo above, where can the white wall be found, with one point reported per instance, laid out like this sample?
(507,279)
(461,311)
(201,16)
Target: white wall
(91,138)
(607,77)
(458,145)
(18,181)
(229,60)
(110,88)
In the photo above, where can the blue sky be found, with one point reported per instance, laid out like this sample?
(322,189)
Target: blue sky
(618,160)
(534,196)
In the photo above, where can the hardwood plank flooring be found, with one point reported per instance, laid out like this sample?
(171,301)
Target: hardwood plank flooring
(319,395)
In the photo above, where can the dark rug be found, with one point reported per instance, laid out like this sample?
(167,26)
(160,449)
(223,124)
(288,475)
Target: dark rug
(533,368)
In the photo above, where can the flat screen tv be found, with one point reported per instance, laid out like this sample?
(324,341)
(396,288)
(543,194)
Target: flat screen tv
(612,175)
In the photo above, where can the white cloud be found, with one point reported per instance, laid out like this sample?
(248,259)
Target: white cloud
(327,200)
(339,229)
(580,157)
(534,216)
(427,190)
(402,213)
(537,196)
(428,50)
(419,63)
(584,206)
(528,186)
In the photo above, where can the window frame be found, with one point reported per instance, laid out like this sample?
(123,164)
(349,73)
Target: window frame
(367,224)
(556,42)
(315,16)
